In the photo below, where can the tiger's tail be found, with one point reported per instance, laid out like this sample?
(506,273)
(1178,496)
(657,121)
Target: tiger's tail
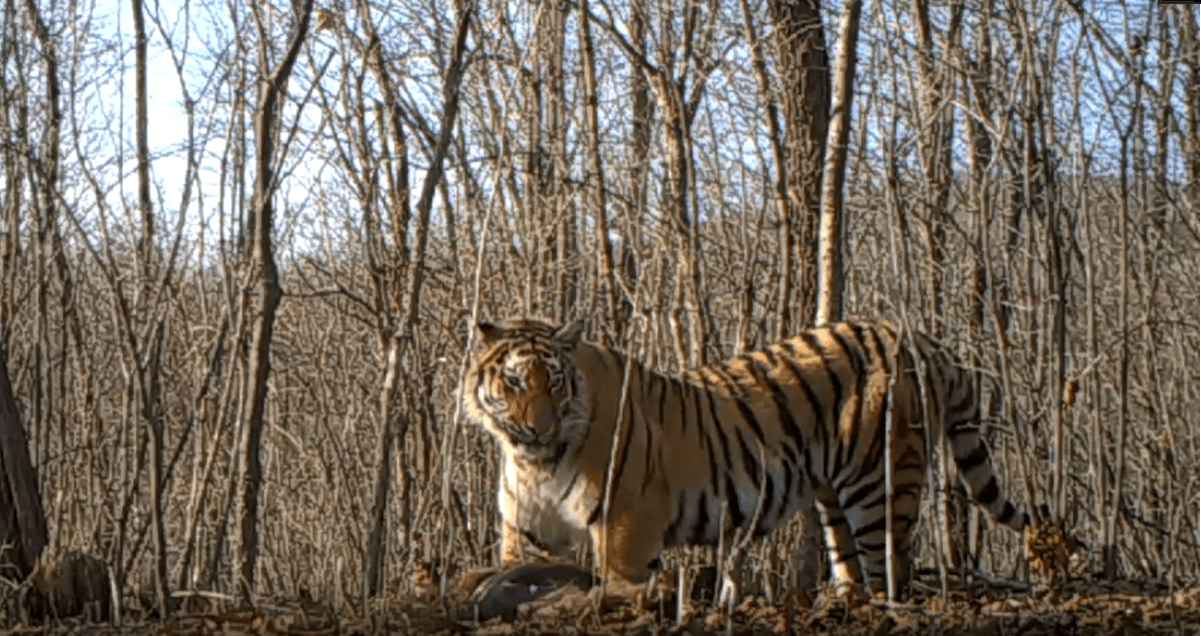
(972,458)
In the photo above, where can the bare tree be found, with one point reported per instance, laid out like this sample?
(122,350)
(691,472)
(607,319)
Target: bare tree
(1190,46)
(830,278)
(804,69)
(397,343)
(24,526)
(595,180)
(265,273)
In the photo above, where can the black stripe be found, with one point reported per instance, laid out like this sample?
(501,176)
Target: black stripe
(853,355)
(767,508)
(788,494)
(570,486)
(879,525)
(738,393)
(778,398)
(965,399)
(649,453)
(789,361)
(961,427)
(663,384)
(827,424)
(810,338)
(714,425)
(877,503)
(897,495)
(673,528)
(832,517)
(715,470)
(750,463)
(989,493)
(553,462)
(872,458)
(1007,514)
(732,501)
(910,460)
(878,348)
(700,528)
(871,548)
(859,494)
(843,557)
(594,516)
(974,459)
(534,540)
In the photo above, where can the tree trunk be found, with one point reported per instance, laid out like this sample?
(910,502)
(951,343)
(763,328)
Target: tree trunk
(803,62)
(146,241)
(1190,46)
(642,112)
(394,423)
(934,143)
(830,279)
(804,65)
(779,180)
(594,180)
(262,260)
(23,525)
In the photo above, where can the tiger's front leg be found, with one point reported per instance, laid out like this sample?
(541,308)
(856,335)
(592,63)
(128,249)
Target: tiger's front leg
(531,528)
(625,548)
(512,544)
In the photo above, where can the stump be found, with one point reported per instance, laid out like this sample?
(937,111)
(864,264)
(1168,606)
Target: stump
(69,583)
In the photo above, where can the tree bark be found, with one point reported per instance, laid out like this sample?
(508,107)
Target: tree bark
(23,525)
(830,275)
(145,208)
(271,88)
(1190,45)
(594,181)
(803,62)
(934,142)
(780,179)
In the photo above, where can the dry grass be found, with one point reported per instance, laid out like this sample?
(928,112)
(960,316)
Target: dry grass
(1079,609)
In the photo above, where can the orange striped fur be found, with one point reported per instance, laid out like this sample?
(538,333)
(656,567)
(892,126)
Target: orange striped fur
(799,423)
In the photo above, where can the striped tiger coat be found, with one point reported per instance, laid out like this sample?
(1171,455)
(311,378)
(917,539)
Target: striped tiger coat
(742,443)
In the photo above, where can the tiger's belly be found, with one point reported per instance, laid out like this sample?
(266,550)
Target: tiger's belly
(702,514)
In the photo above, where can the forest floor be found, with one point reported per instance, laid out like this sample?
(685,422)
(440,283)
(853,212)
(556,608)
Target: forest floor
(1126,607)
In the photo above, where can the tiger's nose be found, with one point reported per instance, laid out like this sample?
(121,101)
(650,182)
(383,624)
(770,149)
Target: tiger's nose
(546,420)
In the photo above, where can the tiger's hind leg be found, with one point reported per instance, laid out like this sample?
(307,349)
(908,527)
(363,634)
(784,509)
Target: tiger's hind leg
(841,549)
(869,527)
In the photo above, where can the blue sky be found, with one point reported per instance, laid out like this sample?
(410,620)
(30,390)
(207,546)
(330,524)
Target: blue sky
(211,26)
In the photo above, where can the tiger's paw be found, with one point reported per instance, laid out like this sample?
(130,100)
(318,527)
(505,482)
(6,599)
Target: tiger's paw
(852,593)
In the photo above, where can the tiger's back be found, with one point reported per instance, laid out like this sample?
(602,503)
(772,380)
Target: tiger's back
(742,443)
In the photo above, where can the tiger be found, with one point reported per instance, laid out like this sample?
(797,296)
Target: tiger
(741,444)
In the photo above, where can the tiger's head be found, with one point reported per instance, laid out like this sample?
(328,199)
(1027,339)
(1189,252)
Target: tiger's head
(523,387)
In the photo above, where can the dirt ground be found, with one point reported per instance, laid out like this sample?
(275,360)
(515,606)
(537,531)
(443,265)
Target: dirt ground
(1128,608)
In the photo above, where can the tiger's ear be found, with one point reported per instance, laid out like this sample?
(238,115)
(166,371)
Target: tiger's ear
(569,334)
(490,333)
